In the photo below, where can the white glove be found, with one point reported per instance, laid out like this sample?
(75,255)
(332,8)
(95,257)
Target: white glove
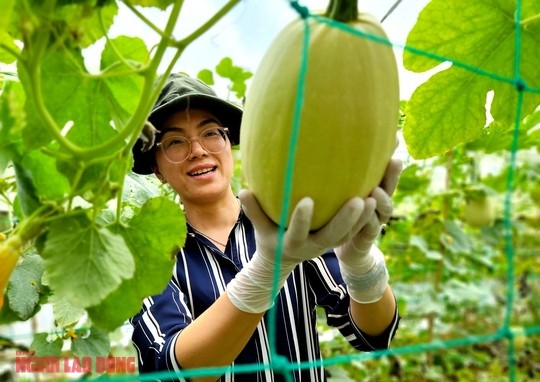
(254,287)
(362,264)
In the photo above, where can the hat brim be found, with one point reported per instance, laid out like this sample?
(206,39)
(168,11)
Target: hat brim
(229,114)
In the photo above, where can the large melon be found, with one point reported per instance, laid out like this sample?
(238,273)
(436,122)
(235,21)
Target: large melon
(348,118)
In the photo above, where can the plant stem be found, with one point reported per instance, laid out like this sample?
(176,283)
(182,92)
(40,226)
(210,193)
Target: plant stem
(144,19)
(75,184)
(148,96)
(111,44)
(208,24)
(32,226)
(36,53)
(342,10)
(50,123)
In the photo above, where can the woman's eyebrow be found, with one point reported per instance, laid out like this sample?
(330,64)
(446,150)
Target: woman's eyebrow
(173,129)
(200,125)
(208,121)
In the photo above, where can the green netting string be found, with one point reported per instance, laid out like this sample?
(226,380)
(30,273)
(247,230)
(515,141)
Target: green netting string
(289,174)
(278,362)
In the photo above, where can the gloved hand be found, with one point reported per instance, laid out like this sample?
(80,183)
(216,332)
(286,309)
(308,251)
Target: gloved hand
(362,264)
(253,290)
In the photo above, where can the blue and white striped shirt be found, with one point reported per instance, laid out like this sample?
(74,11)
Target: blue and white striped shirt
(201,275)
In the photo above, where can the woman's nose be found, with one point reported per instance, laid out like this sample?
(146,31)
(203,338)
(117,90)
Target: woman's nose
(197,149)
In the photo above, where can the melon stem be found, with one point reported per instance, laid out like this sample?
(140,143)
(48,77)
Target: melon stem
(342,10)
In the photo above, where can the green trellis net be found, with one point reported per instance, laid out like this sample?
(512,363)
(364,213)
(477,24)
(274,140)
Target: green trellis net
(506,332)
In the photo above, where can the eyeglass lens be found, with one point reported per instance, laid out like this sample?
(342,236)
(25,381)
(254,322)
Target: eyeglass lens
(177,148)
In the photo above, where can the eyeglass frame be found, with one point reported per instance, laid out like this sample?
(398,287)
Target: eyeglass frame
(196,137)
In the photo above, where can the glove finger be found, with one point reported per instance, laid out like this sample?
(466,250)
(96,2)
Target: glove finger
(391,176)
(340,228)
(300,223)
(384,207)
(368,212)
(254,212)
(364,240)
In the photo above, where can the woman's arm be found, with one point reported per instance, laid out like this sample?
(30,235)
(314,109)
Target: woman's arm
(373,319)
(216,337)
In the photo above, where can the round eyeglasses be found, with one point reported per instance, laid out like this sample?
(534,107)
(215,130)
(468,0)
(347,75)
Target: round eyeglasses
(177,148)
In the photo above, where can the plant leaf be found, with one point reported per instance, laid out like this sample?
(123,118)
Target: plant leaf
(44,348)
(64,82)
(207,76)
(153,236)
(450,107)
(125,90)
(65,314)
(11,122)
(7,41)
(24,286)
(96,345)
(236,74)
(455,240)
(431,131)
(85,262)
(26,190)
(49,183)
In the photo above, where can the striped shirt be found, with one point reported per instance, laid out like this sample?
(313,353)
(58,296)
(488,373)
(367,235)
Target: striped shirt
(200,276)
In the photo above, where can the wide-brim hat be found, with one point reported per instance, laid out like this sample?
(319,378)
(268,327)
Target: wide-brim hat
(182,92)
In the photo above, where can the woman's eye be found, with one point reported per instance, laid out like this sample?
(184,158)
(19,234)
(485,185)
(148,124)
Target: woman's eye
(176,141)
(210,133)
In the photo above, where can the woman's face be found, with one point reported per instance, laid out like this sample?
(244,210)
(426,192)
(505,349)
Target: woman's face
(203,176)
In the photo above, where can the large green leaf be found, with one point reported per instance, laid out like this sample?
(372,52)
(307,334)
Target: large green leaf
(8,315)
(96,183)
(42,347)
(27,194)
(65,314)
(496,137)
(139,188)
(72,97)
(49,183)
(24,287)
(95,344)
(85,262)
(450,107)
(153,236)
(125,90)
(82,22)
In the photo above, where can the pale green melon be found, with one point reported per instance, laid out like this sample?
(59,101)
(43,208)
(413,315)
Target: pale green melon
(348,122)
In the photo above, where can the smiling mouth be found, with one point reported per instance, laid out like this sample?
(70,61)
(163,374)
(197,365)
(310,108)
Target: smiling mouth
(202,172)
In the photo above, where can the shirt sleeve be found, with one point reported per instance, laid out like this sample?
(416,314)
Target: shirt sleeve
(156,328)
(330,292)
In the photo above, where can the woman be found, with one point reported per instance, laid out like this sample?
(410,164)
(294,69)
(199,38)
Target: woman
(212,313)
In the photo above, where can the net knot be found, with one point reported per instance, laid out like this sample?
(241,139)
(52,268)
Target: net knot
(280,363)
(520,85)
